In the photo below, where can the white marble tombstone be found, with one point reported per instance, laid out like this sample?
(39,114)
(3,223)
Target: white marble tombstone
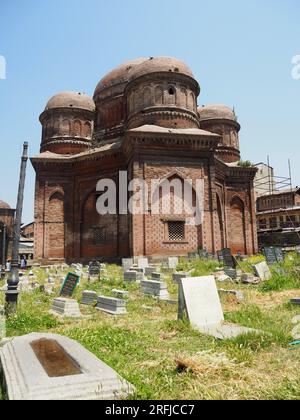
(204,308)
(263,272)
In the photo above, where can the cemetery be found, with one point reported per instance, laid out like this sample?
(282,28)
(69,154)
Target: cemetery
(226,338)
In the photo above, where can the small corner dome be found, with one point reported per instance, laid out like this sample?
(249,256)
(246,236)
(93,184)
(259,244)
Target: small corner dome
(161,65)
(77,100)
(4,205)
(216,112)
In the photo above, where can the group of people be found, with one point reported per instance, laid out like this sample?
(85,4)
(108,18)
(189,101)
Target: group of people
(23,264)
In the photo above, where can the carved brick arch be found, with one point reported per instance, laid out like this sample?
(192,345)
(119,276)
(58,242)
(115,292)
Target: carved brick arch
(171,94)
(77,128)
(66,127)
(147,96)
(159,95)
(237,226)
(87,129)
(191,101)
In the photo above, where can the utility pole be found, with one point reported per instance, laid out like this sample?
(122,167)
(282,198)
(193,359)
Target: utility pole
(13,279)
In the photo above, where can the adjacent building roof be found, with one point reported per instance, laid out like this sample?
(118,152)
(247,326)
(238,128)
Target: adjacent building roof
(181,131)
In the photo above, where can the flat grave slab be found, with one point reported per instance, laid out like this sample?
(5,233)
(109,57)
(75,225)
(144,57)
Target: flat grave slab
(155,289)
(89,298)
(111,306)
(53,367)
(65,308)
(133,276)
(121,294)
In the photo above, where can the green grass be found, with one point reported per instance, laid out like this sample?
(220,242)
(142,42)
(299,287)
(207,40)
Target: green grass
(146,346)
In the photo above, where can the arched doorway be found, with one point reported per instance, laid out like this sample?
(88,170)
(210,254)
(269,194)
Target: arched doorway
(237,226)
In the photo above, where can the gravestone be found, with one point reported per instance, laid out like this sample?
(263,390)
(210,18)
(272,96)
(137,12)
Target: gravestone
(204,308)
(151,269)
(279,255)
(227,258)
(142,263)
(262,271)
(173,263)
(94,269)
(127,263)
(156,276)
(111,306)
(133,276)
(50,367)
(269,253)
(155,289)
(178,276)
(89,298)
(65,308)
(121,294)
(203,254)
(220,256)
(193,256)
(70,283)
(236,293)
(231,272)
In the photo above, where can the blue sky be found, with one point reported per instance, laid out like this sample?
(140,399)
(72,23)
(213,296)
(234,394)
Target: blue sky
(240,51)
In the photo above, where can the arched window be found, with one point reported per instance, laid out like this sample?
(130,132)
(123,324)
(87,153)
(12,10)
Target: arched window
(66,128)
(147,96)
(87,129)
(159,95)
(77,128)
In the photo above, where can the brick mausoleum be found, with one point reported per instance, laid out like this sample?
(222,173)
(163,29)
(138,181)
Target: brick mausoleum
(143,119)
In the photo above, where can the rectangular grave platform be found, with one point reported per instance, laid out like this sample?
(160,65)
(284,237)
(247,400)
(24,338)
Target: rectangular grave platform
(111,306)
(51,367)
(89,298)
(66,308)
(121,294)
(133,276)
(155,289)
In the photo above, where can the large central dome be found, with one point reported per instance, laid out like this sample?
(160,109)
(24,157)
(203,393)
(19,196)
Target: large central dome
(112,94)
(118,76)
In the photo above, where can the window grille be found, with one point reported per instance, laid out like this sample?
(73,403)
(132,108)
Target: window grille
(99,236)
(176,231)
